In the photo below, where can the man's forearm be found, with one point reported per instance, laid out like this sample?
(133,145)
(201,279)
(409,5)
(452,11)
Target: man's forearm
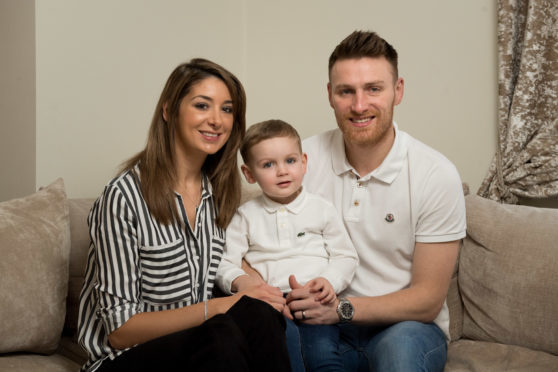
(407,304)
(433,265)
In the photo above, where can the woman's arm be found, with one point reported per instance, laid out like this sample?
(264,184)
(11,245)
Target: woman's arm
(143,327)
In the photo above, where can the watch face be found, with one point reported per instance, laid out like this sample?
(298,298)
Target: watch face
(346,310)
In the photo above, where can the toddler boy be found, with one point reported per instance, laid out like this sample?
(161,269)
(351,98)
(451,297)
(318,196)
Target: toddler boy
(286,231)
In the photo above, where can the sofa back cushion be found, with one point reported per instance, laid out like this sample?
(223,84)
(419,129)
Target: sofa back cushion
(455,307)
(79,232)
(35,248)
(508,268)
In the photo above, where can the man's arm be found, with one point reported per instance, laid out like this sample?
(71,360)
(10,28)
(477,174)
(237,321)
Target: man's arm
(433,265)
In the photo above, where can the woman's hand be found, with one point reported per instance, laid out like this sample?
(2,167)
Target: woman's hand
(304,306)
(266,293)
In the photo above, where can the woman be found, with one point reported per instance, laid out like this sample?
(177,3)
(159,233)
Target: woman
(157,236)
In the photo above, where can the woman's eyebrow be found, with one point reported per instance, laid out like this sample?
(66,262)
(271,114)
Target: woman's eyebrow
(229,101)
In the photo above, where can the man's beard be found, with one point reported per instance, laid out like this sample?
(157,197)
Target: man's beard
(371,135)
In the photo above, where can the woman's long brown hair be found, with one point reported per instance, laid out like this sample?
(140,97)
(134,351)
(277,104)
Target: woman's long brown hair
(157,160)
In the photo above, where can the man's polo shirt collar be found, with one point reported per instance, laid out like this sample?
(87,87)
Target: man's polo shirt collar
(295,206)
(386,172)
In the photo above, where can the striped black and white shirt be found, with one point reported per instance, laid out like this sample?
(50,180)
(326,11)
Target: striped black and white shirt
(136,264)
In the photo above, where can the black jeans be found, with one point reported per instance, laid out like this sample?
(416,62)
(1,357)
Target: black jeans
(249,337)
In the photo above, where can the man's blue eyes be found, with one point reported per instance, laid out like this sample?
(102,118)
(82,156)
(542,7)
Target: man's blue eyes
(350,91)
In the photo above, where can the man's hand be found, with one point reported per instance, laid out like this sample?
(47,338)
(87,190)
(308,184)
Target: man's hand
(304,306)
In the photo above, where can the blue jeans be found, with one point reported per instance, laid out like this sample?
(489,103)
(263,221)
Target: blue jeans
(294,346)
(405,346)
(319,345)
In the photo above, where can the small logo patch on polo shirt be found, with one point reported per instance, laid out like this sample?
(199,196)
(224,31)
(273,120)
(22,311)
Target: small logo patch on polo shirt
(389,217)
(300,234)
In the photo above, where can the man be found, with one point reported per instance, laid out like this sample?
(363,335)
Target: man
(403,206)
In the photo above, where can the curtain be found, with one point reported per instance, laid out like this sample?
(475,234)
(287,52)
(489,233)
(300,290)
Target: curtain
(526,161)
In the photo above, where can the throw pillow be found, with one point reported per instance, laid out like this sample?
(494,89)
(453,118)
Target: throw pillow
(35,248)
(507,274)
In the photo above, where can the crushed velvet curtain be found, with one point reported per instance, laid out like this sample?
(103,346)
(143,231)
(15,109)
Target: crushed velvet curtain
(526,161)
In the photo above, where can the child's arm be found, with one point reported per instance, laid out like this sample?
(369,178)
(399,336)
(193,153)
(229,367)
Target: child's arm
(236,246)
(243,282)
(343,259)
(252,272)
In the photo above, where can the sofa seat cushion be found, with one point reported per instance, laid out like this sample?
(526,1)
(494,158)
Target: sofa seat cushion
(34,362)
(467,355)
(70,349)
(508,267)
(35,251)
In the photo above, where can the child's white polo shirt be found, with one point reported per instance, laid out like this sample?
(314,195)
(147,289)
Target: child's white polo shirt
(305,238)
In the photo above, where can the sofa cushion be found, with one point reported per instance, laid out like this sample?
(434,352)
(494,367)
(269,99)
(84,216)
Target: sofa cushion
(507,274)
(79,232)
(35,247)
(34,362)
(455,307)
(479,356)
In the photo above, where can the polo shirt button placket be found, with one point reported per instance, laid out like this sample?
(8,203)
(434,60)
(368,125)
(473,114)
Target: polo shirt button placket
(358,191)
(283,226)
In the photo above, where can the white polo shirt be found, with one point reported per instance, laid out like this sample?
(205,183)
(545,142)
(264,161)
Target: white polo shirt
(415,195)
(305,237)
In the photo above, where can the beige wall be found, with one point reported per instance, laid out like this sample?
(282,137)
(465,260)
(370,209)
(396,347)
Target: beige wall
(17,98)
(101,66)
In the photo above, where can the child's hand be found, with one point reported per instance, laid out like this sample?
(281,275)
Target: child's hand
(244,282)
(323,289)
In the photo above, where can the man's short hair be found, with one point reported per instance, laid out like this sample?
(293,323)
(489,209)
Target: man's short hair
(265,130)
(362,44)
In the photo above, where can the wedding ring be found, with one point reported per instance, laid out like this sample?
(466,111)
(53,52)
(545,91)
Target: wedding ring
(303,315)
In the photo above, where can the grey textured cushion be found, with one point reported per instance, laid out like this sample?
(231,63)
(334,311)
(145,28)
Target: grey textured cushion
(507,275)
(35,248)
(79,232)
(467,356)
(30,362)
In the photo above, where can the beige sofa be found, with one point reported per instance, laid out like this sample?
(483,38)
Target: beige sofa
(503,299)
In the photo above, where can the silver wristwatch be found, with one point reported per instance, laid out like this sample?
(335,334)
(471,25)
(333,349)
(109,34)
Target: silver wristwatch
(345,310)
